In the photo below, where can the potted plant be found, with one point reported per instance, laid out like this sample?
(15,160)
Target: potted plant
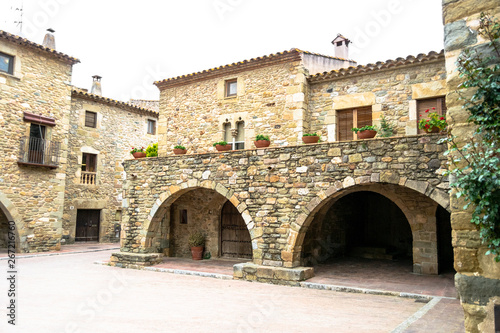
(386,129)
(262,141)
(434,123)
(179,150)
(365,132)
(222,146)
(310,138)
(196,241)
(138,152)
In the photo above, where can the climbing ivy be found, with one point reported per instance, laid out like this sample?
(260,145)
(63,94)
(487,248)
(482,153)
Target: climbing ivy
(475,173)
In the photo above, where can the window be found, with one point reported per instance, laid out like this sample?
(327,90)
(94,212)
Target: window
(36,146)
(183,216)
(90,119)
(347,119)
(437,105)
(151,126)
(227,133)
(6,63)
(231,88)
(240,137)
(89,166)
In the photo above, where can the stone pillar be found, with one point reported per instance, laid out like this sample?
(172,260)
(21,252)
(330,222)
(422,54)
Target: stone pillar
(478,276)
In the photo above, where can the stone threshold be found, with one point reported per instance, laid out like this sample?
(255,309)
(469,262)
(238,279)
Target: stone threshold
(50,254)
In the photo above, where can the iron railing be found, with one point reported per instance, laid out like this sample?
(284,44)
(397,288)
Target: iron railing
(39,152)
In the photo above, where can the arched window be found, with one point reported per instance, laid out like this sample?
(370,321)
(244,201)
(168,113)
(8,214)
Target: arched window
(227,133)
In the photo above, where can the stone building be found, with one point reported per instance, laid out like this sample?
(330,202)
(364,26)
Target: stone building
(48,129)
(35,90)
(278,205)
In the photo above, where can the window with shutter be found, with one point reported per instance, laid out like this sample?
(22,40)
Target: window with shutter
(90,119)
(350,118)
(437,104)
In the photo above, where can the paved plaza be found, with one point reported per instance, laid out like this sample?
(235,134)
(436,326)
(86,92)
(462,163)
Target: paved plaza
(70,293)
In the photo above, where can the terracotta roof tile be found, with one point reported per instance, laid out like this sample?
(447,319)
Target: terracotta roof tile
(24,41)
(379,65)
(86,95)
(294,52)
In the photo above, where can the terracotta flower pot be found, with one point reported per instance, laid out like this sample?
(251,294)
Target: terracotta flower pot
(197,252)
(433,129)
(368,134)
(139,155)
(262,143)
(310,139)
(179,151)
(223,148)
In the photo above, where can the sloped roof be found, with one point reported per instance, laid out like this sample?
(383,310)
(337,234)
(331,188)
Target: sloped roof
(23,41)
(365,69)
(76,92)
(293,54)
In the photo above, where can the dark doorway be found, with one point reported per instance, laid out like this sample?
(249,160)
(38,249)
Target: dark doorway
(87,225)
(36,147)
(235,238)
(445,248)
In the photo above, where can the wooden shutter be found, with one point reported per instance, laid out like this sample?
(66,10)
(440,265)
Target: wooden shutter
(438,104)
(344,125)
(90,119)
(347,119)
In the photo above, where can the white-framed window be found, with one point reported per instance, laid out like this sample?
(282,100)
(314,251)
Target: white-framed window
(239,142)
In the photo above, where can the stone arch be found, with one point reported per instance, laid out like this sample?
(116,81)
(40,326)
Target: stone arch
(161,206)
(304,219)
(10,211)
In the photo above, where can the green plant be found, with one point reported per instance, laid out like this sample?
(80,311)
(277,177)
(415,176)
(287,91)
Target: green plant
(386,129)
(475,172)
(262,137)
(220,143)
(196,239)
(180,147)
(433,120)
(137,150)
(310,134)
(152,150)
(364,128)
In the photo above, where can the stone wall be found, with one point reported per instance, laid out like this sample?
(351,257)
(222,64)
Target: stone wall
(390,92)
(478,276)
(279,191)
(119,128)
(270,101)
(40,85)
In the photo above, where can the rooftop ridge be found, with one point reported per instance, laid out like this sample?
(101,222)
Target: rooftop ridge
(26,42)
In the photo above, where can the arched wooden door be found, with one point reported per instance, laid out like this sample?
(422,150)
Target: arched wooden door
(235,238)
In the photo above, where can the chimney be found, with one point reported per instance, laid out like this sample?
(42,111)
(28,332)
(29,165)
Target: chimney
(96,85)
(49,39)
(341,45)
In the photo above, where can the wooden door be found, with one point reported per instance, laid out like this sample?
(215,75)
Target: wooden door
(235,238)
(87,225)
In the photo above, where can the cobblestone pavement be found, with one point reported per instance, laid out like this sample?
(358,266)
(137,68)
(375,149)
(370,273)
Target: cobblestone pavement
(68,293)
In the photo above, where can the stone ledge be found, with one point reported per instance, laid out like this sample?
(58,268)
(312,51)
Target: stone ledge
(269,274)
(135,260)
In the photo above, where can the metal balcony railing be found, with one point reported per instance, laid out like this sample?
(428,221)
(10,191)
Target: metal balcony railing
(88,178)
(40,152)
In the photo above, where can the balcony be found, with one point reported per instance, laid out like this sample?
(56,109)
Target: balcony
(39,152)
(88,178)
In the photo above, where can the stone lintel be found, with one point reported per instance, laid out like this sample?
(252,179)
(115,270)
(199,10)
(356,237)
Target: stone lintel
(270,274)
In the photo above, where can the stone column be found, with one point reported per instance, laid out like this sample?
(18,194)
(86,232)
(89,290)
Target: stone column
(478,276)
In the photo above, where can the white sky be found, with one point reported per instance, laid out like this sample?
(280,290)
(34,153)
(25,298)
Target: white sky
(132,43)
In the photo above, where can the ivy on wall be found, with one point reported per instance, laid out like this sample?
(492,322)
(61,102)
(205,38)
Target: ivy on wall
(476,164)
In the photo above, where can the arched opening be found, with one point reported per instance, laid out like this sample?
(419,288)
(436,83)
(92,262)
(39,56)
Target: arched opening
(4,232)
(204,210)
(359,225)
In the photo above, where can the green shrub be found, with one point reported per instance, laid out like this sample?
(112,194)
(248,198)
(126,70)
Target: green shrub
(152,150)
